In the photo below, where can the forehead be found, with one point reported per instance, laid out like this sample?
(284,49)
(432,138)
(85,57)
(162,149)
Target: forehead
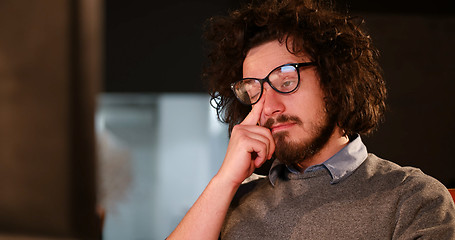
(262,59)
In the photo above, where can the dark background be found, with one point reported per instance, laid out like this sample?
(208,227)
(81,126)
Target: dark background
(50,75)
(157,47)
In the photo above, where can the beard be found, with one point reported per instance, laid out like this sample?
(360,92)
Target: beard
(292,152)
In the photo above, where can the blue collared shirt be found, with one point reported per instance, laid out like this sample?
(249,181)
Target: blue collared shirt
(340,165)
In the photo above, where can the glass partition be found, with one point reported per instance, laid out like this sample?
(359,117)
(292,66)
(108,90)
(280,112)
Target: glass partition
(157,152)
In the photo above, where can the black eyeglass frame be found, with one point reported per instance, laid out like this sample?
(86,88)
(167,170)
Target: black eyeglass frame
(266,79)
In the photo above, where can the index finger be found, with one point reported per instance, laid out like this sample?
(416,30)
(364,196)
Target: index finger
(255,115)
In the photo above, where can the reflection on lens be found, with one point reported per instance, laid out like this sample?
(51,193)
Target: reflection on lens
(248,90)
(283,79)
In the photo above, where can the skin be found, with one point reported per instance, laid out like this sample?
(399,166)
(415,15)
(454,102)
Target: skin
(251,144)
(306,102)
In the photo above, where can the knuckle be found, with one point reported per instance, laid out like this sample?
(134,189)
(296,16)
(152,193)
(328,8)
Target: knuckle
(235,129)
(242,138)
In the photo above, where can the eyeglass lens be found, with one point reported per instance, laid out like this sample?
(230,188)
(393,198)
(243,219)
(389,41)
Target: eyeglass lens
(283,79)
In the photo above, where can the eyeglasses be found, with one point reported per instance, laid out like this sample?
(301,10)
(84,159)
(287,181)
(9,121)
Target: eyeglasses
(283,79)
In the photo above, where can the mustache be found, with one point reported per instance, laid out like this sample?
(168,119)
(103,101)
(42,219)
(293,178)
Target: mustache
(282,119)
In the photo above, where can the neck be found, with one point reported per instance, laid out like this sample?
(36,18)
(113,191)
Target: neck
(336,142)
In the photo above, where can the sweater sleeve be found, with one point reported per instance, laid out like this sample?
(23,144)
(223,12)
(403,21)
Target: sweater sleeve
(425,211)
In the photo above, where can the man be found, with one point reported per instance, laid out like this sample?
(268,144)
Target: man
(312,78)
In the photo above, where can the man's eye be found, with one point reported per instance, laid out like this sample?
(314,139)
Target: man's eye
(288,83)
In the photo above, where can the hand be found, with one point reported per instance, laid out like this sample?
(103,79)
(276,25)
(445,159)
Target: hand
(249,147)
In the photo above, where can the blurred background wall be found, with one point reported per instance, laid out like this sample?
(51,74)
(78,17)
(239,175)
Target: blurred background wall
(101,105)
(50,74)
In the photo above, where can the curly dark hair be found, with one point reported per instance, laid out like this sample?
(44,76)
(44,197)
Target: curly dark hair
(346,60)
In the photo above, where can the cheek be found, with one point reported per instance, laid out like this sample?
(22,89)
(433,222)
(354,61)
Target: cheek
(310,110)
(303,105)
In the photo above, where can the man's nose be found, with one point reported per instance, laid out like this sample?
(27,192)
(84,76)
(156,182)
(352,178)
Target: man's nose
(273,103)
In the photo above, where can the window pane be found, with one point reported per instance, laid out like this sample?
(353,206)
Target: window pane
(157,154)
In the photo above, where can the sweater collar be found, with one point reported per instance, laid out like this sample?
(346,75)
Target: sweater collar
(340,165)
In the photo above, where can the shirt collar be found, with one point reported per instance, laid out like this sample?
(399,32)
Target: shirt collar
(340,165)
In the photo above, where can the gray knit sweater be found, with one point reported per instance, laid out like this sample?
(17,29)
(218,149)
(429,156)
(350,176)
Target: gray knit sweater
(380,200)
